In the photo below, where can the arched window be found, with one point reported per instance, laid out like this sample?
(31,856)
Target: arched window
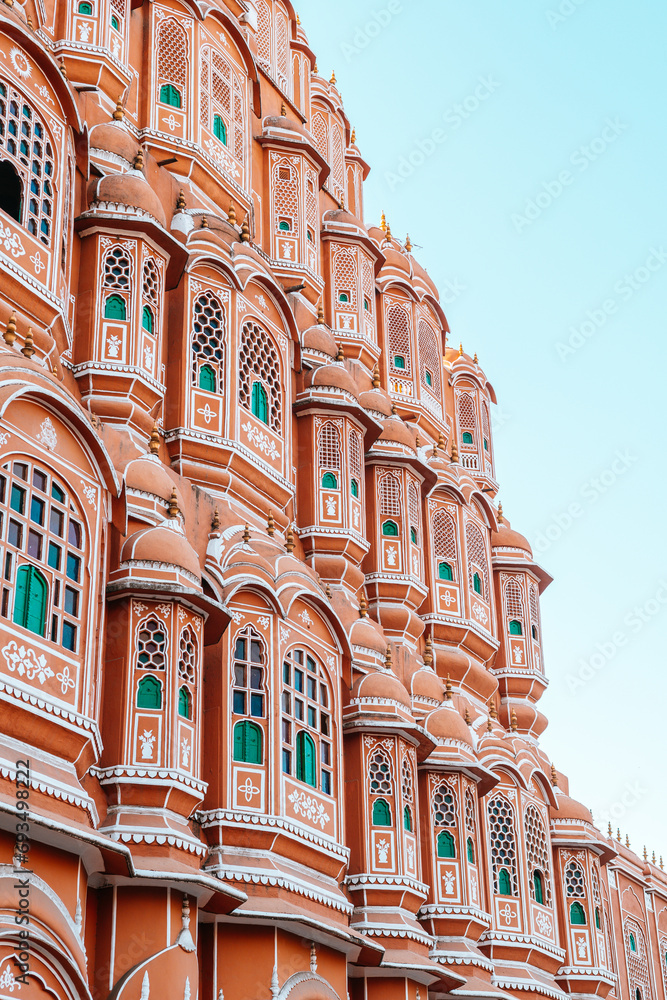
(149,693)
(444,815)
(538,855)
(306,759)
(477,560)
(471,823)
(380,774)
(258,358)
(345,267)
(248,738)
(329,453)
(249,673)
(502,837)
(389,490)
(329,481)
(115,308)
(445,571)
(307,712)
(184,703)
(208,332)
(399,361)
(538,886)
(115,23)
(446,845)
(389,528)
(259,403)
(407,819)
(430,361)
(11,190)
(27,167)
(286,197)
(467,419)
(41,524)
(354,487)
(515,627)
(152,645)
(147,319)
(574,880)
(633,942)
(466,437)
(172,55)
(381,813)
(219,129)
(344,297)
(477,583)
(85,8)
(30,599)
(399,337)
(577,914)
(471,850)
(597,917)
(413,536)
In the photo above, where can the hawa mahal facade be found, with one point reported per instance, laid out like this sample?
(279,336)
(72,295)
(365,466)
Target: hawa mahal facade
(270,656)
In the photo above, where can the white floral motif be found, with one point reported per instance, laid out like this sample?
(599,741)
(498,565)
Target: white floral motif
(411,857)
(448,879)
(544,925)
(237,617)
(264,621)
(331,661)
(392,555)
(147,740)
(38,262)
(262,301)
(7,980)
(284,634)
(47,434)
(197,624)
(185,752)
(448,598)
(139,607)
(113,346)
(308,807)
(181,615)
(508,913)
(171,122)
(248,789)
(44,92)
(383,851)
(517,654)
(148,359)
(306,619)
(207,413)
(90,493)
(20,63)
(115,48)
(66,681)
(4,438)
(241,306)
(473,886)
(582,948)
(356,517)
(26,661)
(261,441)
(84,31)
(164,609)
(479,613)
(330,502)
(11,242)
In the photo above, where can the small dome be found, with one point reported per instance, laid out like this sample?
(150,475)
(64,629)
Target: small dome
(506,538)
(395,259)
(395,430)
(319,338)
(384,686)
(161,545)
(113,137)
(447,724)
(149,475)
(132,190)
(570,809)
(341,217)
(335,376)
(420,274)
(427,684)
(283,122)
(376,399)
(365,633)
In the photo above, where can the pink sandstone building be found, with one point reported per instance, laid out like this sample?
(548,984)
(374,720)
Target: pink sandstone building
(270,656)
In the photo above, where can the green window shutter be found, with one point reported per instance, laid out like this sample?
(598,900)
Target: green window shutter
(239,741)
(504,882)
(446,846)
(597,917)
(445,571)
(390,528)
(381,813)
(207,378)
(354,487)
(429,378)
(253,743)
(515,627)
(477,583)
(184,703)
(399,361)
(538,885)
(413,536)
(149,693)
(343,297)
(115,23)
(219,129)
(578,916)
(471,851)
(259,403)
(30,599)
(466,437)
(170,95)
(633,943)
(329,481)
(115,308)
(147,319)
(306,762)
(407,819)
(85,8)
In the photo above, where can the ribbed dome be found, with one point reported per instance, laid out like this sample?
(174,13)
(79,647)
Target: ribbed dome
(395,430)
(395,259)
(149,475)
(283,122)
(505,537)
(161,545)
(419,273)
(133,190)
(570,809)
(335,376)
(447,724)
(363,633)
(383,686)
(427,684)
(113,137)
(319,338)
(375,399)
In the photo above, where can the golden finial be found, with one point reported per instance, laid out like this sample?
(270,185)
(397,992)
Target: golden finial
(428,651)
(215,523)
(245,231)
(500,514)
(340,356)
(180,201)
(388,237)
(10,331)
(320,313)
(466,718)
(172,509)
(645,853)
(376,377)
(353,137)
(298,19)
(408,244)
(441,440)
(489,725)
(460,350)
(618,834)
(554,776)
(283,110)
(383,223)
(204,222)
(448,689)
(231,214)
(455,452)
(119,113)
(30,24)
(513,725)
(271,524)
(474,360)
(417,440)
(627,841)
(246,534)
(653,858)
(492,709)
(138,163)
(28,350)
(327,591)
(289,541)
(63,69)
(363,607)
(387,658)
(333,78)
(610,832)
(315,69)
(661,864)
(154,441)
(341,203)
(434,453)
(394,410)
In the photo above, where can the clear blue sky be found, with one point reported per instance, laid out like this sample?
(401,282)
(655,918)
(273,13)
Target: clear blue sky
(539,210)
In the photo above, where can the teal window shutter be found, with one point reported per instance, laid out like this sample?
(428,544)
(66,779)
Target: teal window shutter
(170,95)
(184,703)
(413,536)
(466,437)
(147,319)
(115,23)
(207,378)
(446,845)
(85,8)
(399,361)
(306,761)
(329,481)
(515,627)
(149,693)
(633,943)
(354,487)
(504,882)
(248,742)
(445,571)
(390,528)
(407,819)
(219,129)
(30,599)
(259,403)
(115,308)
(538,885)
(578,916)
(477,583)
(381,813)
(471,851)
(597,917)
